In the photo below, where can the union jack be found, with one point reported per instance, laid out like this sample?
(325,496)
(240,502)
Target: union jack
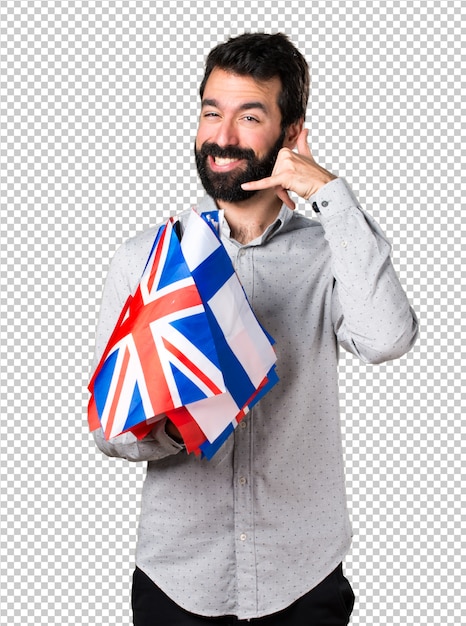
(187,345)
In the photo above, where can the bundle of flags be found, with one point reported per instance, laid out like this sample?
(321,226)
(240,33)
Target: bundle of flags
(187,345)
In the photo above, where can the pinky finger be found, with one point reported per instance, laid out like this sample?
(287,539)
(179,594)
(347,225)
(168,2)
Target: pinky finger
(285,198)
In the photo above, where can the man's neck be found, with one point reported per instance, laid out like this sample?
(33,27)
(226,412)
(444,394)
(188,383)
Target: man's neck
(249,219)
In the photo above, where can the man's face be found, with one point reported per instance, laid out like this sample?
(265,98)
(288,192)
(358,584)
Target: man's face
(239,134)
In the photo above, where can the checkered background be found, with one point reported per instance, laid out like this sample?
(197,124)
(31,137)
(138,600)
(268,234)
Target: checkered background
(98,113)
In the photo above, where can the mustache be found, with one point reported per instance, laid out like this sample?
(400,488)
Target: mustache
(229,152)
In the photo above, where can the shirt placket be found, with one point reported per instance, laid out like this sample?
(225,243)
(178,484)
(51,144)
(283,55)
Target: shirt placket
(243,474)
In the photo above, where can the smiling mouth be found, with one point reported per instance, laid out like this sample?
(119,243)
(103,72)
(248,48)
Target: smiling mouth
(223,163)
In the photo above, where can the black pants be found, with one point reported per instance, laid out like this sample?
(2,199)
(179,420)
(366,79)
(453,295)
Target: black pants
(330,603)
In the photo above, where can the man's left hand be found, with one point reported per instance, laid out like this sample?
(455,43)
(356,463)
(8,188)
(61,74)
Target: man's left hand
(294,171)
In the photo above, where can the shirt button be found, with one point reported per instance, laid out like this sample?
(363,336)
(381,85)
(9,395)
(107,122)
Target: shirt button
(243,536)
(324,203)
(242,425)
(344,244)
(242,480)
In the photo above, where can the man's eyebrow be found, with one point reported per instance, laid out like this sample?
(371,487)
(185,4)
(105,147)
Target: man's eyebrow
(210,102)
(253,105)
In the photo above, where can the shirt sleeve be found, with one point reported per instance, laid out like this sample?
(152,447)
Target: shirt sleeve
(123,276)
(371,313)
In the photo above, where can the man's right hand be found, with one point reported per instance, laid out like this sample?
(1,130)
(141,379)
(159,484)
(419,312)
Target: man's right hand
(172,431)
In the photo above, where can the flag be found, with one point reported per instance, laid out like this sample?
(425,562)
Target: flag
(187,345)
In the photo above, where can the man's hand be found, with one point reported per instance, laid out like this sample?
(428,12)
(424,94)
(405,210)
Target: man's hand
(173,432)
(294,171)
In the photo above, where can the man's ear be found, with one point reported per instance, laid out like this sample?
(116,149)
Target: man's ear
(292,134)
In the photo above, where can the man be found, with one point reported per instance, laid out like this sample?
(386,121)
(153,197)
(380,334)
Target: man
(258,533)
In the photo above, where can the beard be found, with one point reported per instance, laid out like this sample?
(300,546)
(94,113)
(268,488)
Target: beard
(226,186)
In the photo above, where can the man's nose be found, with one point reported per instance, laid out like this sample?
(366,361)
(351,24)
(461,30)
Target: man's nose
(226,134)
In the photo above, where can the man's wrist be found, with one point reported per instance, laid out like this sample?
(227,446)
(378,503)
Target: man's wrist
(317,186)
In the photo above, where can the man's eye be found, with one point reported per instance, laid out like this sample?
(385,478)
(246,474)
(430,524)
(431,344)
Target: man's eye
(210,114)
(250,118)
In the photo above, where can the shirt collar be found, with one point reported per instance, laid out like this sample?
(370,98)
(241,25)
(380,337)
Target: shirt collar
(284,216)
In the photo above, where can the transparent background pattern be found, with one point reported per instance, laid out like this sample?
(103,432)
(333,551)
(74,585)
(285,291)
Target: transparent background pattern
(98,113)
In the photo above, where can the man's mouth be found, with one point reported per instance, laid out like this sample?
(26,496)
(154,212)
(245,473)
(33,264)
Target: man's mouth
(223,163)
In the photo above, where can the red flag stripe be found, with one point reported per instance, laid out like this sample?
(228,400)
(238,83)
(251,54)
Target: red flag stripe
(189,429)
(92,415)
(208,382)
(155,264)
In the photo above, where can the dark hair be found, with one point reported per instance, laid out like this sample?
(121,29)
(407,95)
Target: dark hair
(263,57)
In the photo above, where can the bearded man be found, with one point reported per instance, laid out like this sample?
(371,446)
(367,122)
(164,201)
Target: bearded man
(258,534)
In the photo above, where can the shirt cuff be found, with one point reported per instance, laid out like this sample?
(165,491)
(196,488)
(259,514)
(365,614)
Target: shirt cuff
(332,198)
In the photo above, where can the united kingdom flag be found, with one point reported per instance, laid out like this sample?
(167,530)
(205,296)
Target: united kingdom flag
(187,345)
